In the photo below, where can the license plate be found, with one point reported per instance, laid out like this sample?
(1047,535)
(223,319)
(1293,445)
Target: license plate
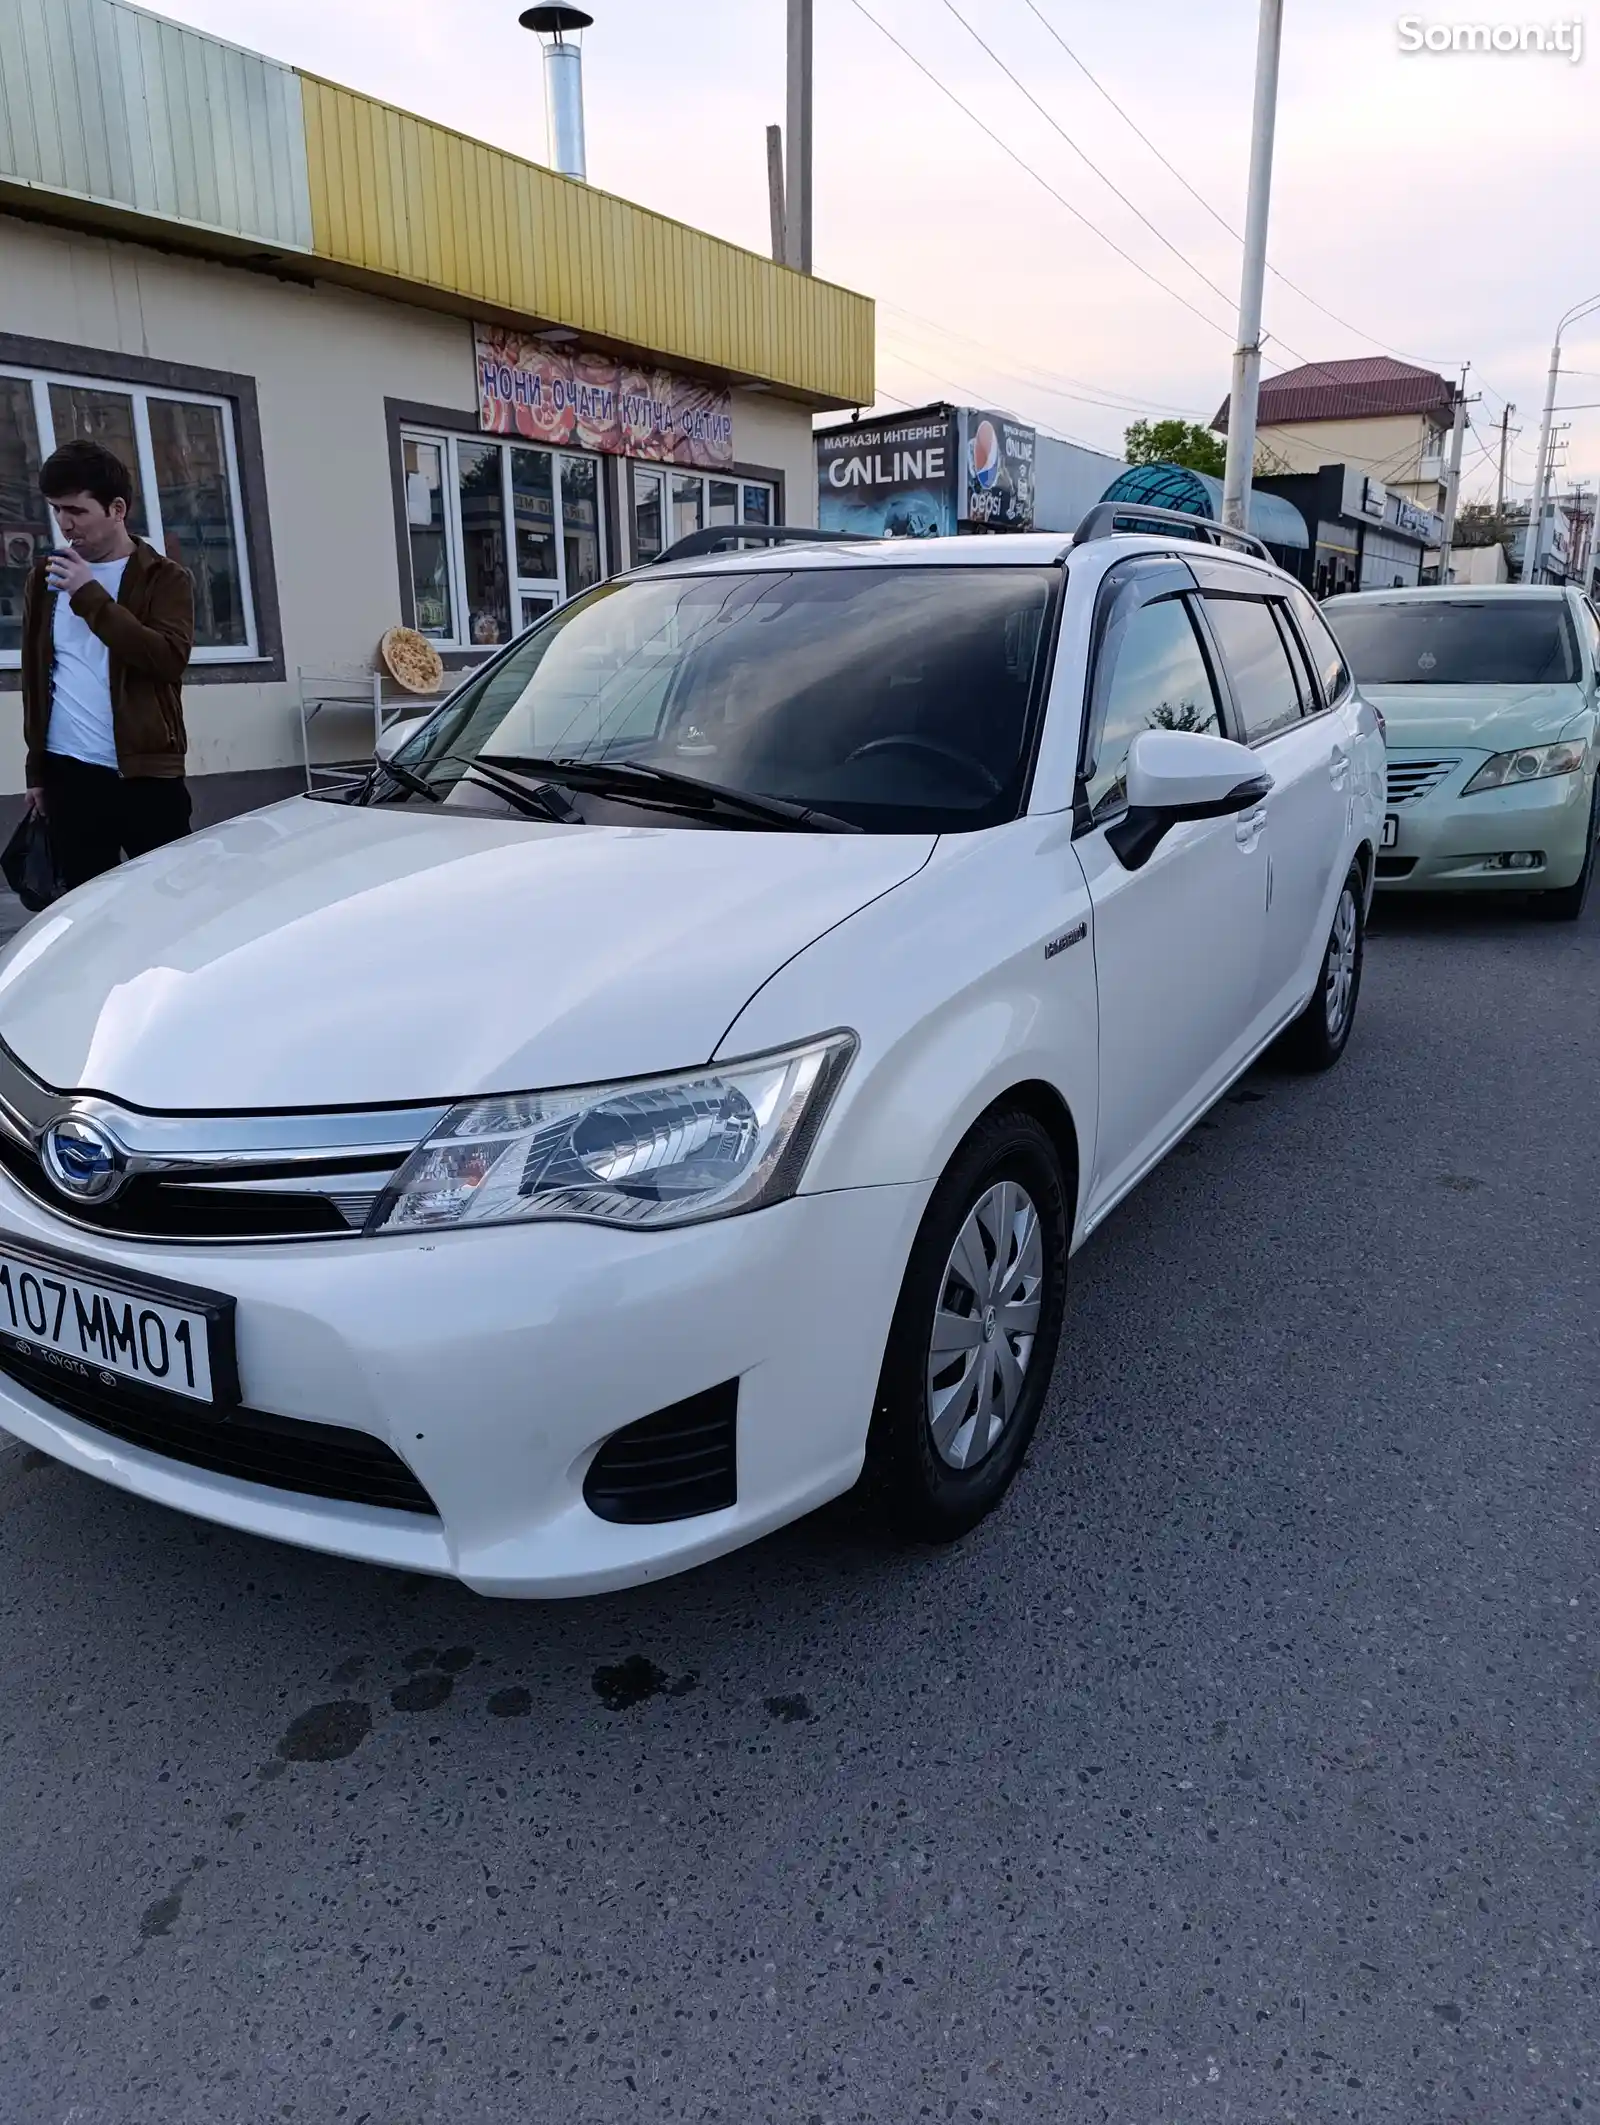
(97,1324)
(1391,831)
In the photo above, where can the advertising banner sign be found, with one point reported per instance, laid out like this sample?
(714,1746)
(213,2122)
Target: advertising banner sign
(888,479)
(997,460)
(557,395)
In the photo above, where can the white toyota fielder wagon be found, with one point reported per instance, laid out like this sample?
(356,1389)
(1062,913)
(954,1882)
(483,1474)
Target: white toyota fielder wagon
(667,1092)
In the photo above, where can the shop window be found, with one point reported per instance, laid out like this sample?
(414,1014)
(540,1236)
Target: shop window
(189,453)
(483,543)
(648,539)
(181,453)
(499,534)
(688,505)
(580,522)
(533,511)
(425,526)
(695,502)
(24,514)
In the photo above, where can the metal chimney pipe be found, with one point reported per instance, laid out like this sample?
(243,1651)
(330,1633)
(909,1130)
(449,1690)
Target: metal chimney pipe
(563,84)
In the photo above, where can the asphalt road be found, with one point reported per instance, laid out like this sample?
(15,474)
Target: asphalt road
(1243,1768)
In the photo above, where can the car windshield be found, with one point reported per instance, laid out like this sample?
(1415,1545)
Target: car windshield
(1457,642)
(887,699)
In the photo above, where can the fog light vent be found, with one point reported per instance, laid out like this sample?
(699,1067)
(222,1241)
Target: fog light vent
(1518,860)
(674,1465)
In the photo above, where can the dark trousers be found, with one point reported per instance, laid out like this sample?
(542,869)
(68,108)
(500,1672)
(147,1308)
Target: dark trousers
(97,816)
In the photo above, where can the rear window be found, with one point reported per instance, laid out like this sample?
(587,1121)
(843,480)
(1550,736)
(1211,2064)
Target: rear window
(1493,642)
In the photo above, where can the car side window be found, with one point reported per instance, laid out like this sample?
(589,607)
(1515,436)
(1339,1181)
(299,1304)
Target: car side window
(1160,681)
(1304,678)
(1326,654)
(1264,688)
(1591,627)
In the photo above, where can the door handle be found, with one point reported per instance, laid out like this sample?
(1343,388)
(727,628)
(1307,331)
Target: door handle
(1247,827)
(1338,766)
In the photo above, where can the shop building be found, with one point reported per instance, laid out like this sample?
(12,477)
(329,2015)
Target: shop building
(1388,419)
(937,470)
(1361,534)
(366,371)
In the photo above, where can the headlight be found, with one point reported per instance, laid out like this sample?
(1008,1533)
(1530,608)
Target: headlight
(1531,764)
(659,1151)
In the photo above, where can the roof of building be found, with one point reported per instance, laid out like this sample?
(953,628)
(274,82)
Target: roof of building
(120,121)
(1364,389)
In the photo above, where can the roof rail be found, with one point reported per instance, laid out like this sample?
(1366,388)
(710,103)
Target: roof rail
(1104,518)
(726,538)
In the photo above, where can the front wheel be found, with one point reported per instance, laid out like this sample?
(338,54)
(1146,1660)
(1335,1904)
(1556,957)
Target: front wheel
(975,1333)
(1319,1036)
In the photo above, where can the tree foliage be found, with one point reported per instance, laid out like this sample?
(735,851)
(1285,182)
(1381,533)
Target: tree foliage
(1481,524)
(1175,442)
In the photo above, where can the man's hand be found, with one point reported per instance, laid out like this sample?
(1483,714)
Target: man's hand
(67,572)
(36,801)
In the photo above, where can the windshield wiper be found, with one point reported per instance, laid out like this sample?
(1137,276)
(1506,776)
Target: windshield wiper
(639,782)
(407,780)
(538,802)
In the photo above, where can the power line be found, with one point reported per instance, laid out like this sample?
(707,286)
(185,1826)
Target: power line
(1218,218)
(1022,164)
(1104,393)
(1088,162)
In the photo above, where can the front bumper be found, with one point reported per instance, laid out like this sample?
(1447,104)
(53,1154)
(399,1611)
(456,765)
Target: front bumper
(1446,842)
(496,1362)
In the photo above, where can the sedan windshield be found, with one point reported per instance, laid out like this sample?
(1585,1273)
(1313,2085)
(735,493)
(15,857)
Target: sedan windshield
(884,699)
(1457,641)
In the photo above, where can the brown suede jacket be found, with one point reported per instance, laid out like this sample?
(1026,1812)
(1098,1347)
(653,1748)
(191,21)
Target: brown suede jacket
(149,629)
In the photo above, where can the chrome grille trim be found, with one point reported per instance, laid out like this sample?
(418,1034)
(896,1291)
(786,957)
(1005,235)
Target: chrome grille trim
(1410,779)
(343,1157)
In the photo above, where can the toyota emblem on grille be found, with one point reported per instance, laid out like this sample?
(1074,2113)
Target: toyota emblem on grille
(82,1160)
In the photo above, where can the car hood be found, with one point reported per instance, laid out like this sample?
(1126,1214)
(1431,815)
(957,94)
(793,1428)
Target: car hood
(1493,718)
(319,955)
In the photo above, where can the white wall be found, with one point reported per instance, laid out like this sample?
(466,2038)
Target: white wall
(323,359)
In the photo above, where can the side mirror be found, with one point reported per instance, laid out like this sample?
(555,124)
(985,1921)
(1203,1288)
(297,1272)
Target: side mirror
(1182,774)
(394,735)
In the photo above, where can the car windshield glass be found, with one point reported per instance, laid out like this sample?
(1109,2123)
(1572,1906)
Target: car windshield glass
(895,699)
(1487,642)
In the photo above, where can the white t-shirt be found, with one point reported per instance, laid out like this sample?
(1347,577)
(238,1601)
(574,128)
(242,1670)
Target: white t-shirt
(80,687)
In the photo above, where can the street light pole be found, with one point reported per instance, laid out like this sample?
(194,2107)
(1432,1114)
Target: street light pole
(1245,387)
(1541,466)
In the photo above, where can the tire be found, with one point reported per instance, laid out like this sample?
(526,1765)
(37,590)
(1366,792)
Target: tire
(947,1438)
(1320,1035)
(1565,903)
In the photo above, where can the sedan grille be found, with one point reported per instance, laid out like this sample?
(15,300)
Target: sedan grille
(679,1463)
(246,1176)
(280,1453)
(1409,779)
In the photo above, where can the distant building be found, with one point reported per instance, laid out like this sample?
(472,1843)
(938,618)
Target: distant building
(1388,419)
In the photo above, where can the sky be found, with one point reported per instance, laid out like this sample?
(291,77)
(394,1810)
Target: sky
(1436,205)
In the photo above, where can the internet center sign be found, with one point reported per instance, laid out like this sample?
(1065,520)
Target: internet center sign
(954,468)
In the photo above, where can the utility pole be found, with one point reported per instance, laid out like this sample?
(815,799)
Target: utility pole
(1541,467)
(797,131)
(780,241)
(1245,387)
(1505,447)
(1452,491)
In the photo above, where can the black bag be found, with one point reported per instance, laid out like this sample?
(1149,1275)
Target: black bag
(28,863)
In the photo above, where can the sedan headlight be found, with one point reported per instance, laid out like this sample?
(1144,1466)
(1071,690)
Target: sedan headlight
(658,1151)
(1531,764)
